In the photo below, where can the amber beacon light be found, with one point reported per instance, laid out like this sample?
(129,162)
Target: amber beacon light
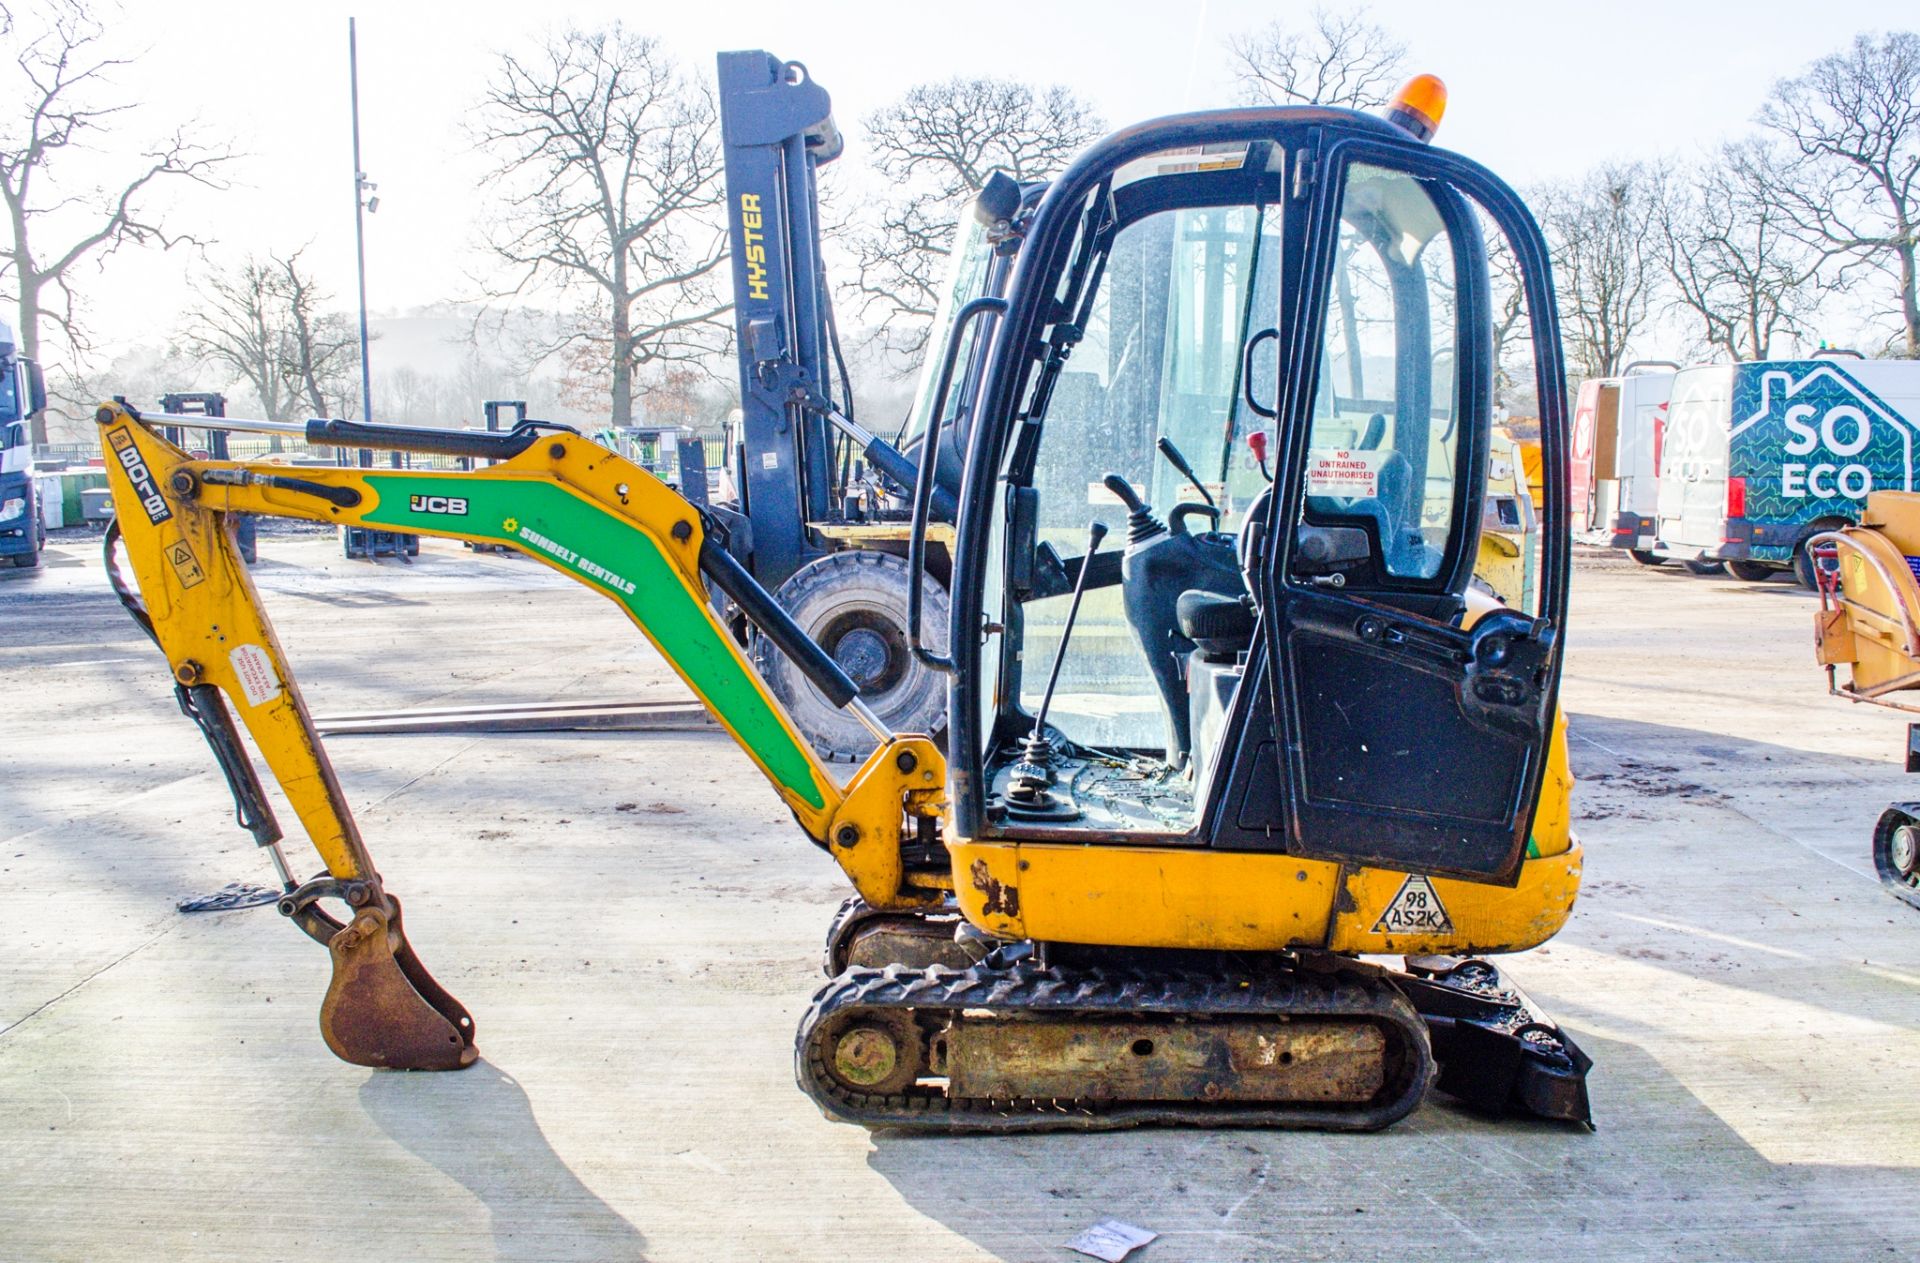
(1418,106)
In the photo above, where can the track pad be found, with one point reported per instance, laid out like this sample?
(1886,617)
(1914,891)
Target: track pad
(383,1008)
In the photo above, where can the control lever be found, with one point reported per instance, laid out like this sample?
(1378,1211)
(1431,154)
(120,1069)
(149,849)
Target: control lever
(1027,786)
(1257,444)
(1179,462)
(1141,523)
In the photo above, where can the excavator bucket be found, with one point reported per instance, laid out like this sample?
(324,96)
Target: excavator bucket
(383,1008)
(1869,617)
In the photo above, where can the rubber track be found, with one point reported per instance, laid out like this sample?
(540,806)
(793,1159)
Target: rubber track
(856,912)
(1029,990)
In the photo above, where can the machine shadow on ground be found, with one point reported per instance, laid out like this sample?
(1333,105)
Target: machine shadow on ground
(478,1128)
(1663,1177)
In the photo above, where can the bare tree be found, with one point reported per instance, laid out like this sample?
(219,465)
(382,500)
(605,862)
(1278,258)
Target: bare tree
(1339,57)
(61,69)
(262,322)
(1852,120)
(935,147)
(609,160)
(323,347)
(1730,249)
(240,326)
(1601,232)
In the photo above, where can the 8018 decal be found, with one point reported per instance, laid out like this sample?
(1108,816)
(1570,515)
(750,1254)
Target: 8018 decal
(139,475)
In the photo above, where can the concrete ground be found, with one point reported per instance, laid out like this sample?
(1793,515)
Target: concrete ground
(635,924)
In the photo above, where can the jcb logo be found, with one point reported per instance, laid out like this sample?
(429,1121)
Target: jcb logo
(454,505)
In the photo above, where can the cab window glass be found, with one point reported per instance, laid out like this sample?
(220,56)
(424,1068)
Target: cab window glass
(1160,358)
(1384,437)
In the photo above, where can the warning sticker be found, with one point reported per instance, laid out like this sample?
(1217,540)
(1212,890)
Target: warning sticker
(1338,471)
(1415,910)
(185,564)
(258,680)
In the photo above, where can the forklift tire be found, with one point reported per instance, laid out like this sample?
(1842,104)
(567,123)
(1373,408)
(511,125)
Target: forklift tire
(1750,571)
(1646,558)
(854,604)
(1705,567)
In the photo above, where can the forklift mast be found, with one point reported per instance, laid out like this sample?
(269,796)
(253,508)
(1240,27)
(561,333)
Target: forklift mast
(777,127)
(211,403)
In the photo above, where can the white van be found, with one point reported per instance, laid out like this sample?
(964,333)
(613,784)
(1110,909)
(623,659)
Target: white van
(1615,472)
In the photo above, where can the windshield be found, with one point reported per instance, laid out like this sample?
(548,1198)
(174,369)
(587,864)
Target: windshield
(967,270)
(1181,293)
(9,402)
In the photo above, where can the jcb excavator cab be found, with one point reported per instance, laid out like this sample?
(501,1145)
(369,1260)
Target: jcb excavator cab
(1285,668)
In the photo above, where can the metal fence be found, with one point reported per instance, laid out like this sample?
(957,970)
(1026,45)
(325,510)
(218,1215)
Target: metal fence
(279,449)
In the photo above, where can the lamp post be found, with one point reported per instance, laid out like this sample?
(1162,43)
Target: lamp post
(364,204)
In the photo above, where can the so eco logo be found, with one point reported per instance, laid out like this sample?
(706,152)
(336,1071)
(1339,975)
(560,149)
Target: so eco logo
(1826,435)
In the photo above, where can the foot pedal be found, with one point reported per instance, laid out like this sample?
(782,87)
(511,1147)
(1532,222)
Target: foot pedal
(383,1008)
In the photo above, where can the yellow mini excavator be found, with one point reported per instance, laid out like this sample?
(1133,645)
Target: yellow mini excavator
(1869,622)
(1195,785)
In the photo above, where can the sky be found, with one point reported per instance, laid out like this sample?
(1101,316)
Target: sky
(1537,91)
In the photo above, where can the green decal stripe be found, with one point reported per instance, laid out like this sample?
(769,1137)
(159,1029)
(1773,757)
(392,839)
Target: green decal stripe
(1533,847)
(612,555)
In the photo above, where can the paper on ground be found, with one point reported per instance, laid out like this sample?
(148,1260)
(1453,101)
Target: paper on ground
(1110,1240)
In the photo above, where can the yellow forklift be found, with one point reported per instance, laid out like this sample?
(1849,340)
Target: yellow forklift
(1238,787)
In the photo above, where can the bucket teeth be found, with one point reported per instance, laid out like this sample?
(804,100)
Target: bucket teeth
(383,1008)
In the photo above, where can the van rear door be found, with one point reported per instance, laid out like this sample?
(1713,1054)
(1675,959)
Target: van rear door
(1643,419)
(1693,460)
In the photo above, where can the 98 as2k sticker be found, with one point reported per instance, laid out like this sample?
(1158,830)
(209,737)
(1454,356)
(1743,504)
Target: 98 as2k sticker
(1415,910)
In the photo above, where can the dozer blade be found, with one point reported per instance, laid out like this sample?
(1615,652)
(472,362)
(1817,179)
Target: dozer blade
(383,1008)
(1497,1050)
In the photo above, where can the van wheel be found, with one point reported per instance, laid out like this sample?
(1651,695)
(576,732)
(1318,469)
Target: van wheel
(1802,562)
(1705,567)
(27,560)
(1646,558)
(1803,567)
(1750,571)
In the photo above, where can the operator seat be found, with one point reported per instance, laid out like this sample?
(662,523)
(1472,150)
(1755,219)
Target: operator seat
(1221,627)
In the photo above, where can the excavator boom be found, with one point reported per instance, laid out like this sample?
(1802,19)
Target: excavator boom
(563,500)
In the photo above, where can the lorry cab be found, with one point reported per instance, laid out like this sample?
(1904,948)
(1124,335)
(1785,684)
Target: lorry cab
(1759,457)
(1617,430)
(22,393)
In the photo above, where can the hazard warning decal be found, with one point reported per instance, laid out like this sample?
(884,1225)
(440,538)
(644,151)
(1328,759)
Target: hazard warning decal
(185,564)
(1415,910)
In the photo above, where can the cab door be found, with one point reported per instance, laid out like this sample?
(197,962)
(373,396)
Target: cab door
(1414,729)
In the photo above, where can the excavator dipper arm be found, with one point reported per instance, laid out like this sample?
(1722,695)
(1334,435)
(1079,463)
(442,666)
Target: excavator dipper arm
(564,501)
